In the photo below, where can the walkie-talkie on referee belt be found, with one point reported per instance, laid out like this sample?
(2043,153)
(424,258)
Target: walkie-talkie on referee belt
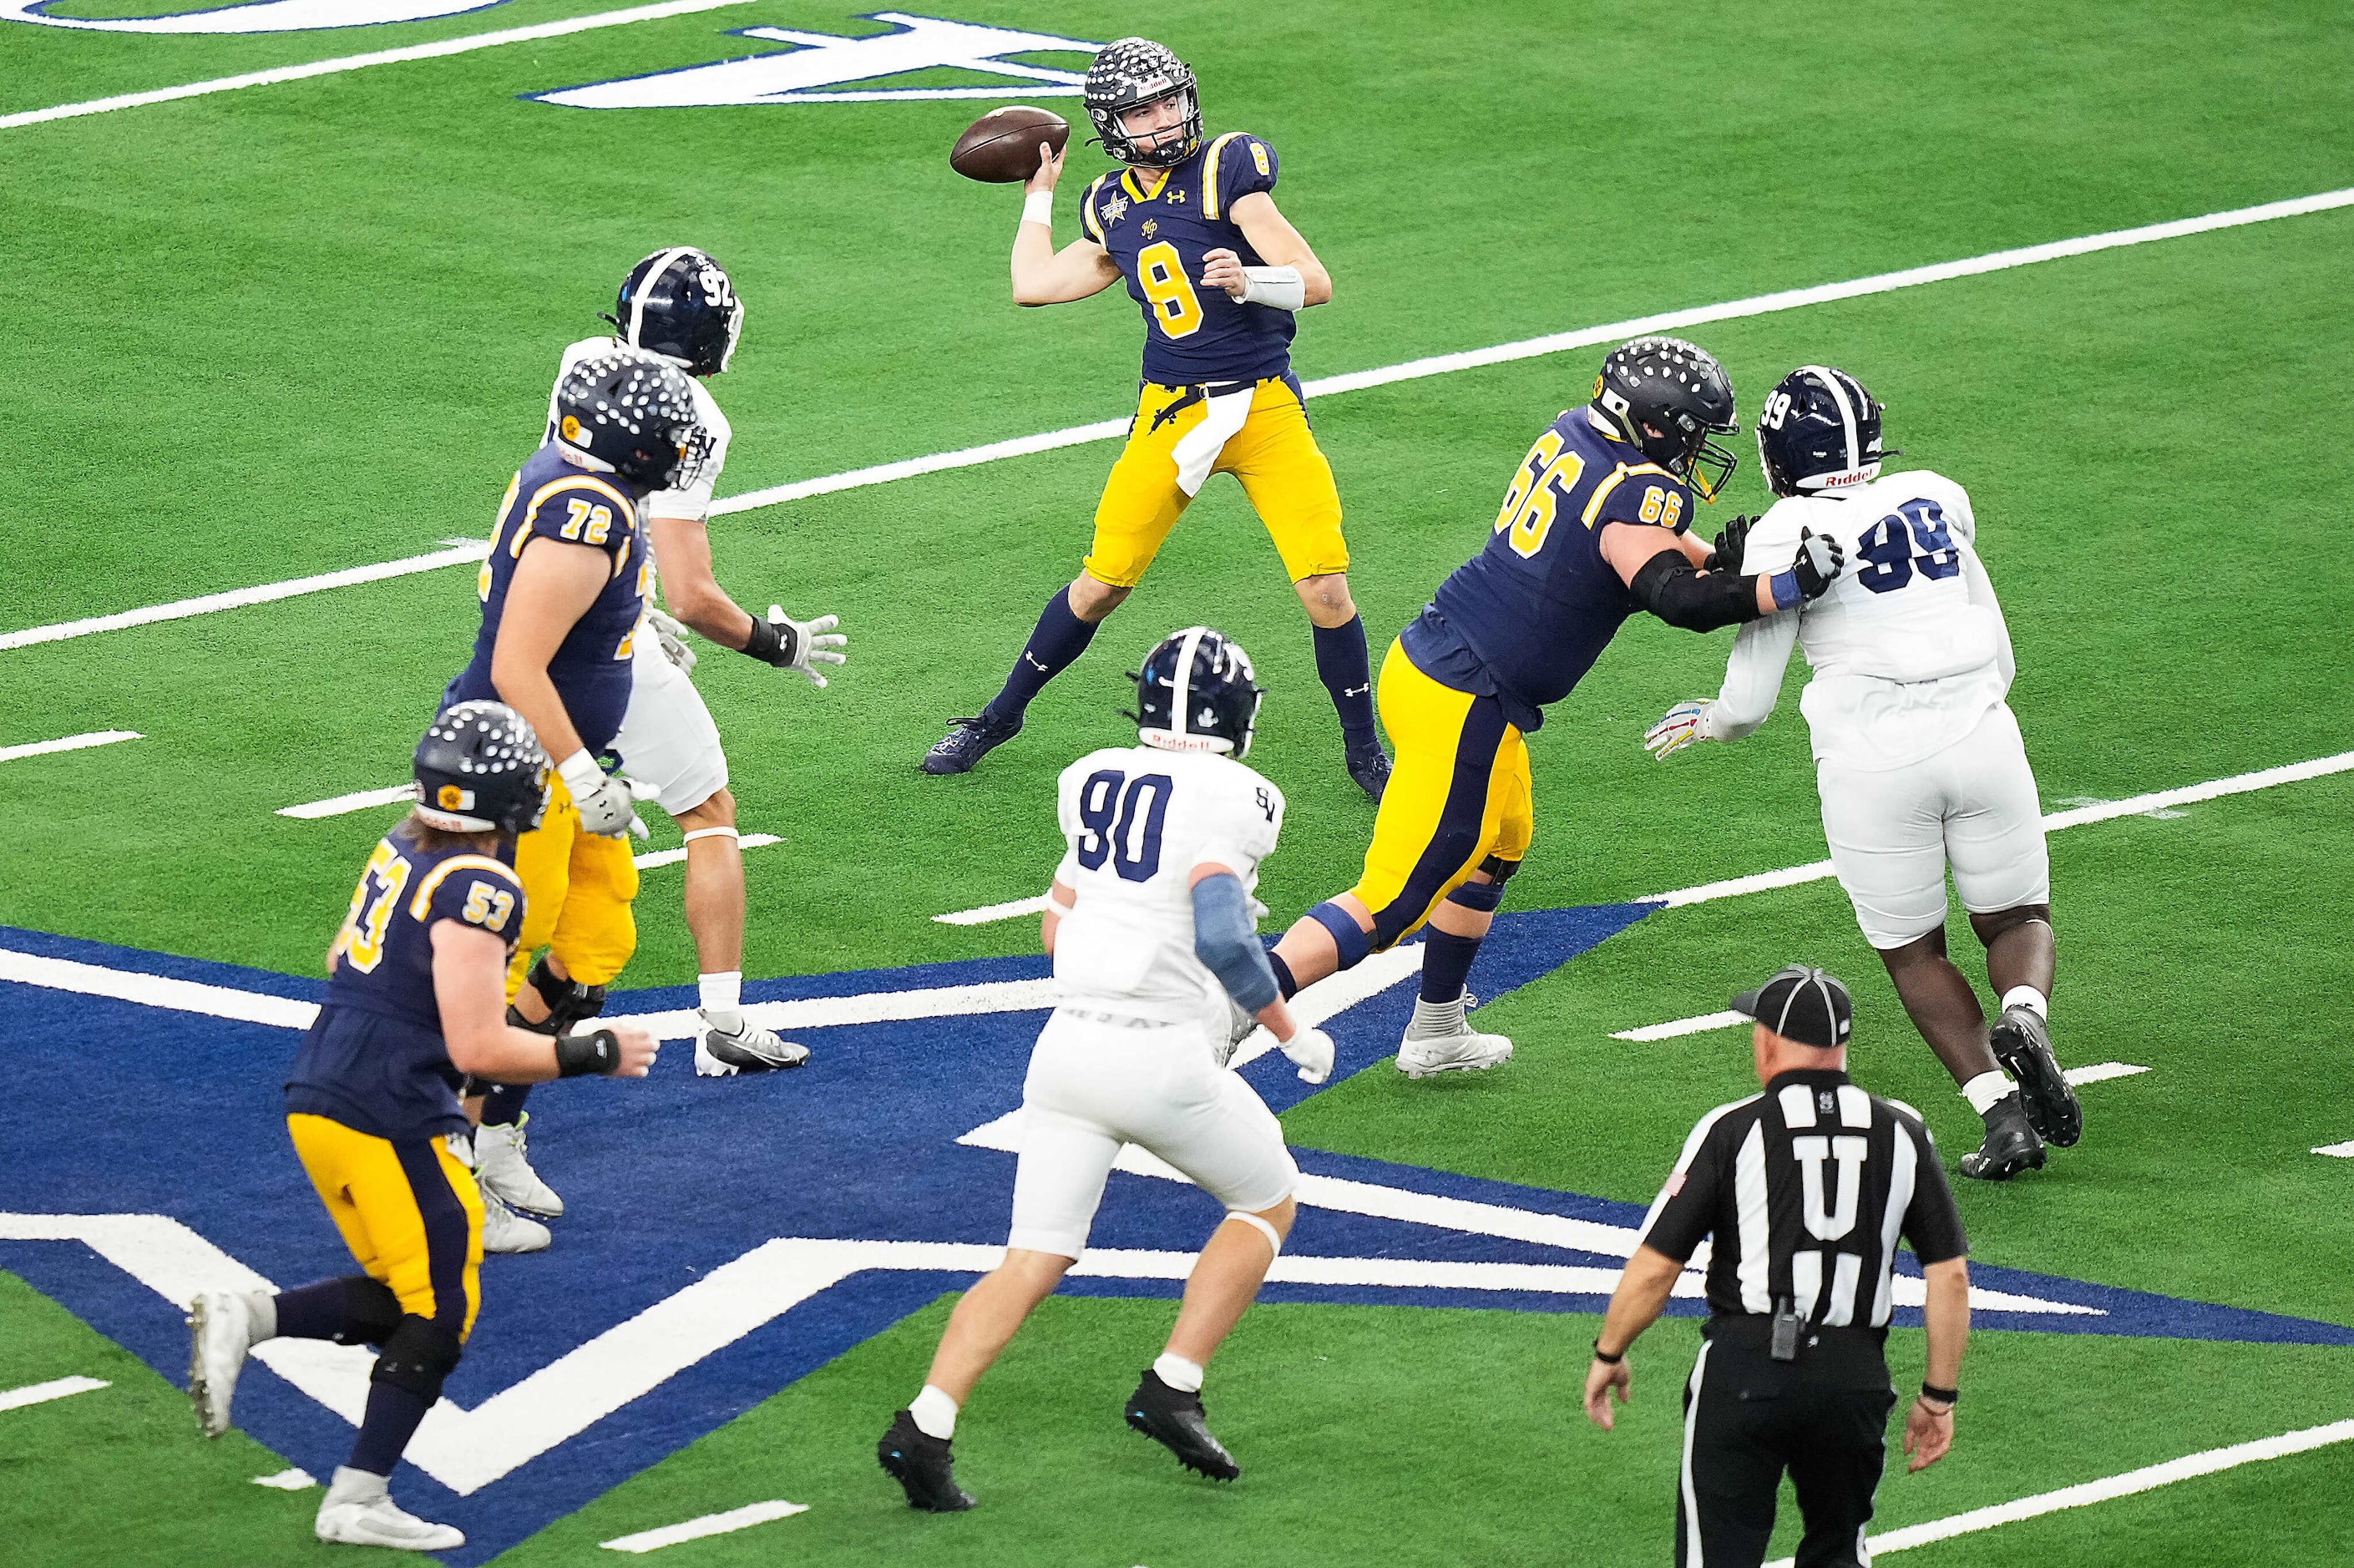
(1784,1346)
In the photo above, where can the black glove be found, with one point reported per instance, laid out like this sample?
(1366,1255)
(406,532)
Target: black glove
(1821,561)
(1726,556)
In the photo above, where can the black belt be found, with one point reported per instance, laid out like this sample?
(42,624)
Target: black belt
(1754,1331)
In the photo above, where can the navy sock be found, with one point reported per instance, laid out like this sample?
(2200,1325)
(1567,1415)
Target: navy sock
(1054,645)
(1283,981)
(1446,964)
(1340,665)
(354,1310)
(503,1103)
(392,1419)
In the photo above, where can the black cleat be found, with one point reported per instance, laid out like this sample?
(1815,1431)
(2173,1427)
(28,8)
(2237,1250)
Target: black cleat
(2012,1145)
(1369,765)
(1176,1421)
(920,1463)
(2023,1047)
(967,742)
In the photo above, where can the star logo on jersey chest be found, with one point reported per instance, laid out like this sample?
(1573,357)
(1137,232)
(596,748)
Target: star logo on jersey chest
(1116,208)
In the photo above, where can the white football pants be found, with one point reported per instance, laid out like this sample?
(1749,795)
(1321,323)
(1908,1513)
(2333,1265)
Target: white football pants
(667,739)
(1093,1086)
(1972,806)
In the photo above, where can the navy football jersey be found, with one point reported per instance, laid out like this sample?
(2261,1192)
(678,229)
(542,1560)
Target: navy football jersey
(1158,233)
(1531,611)
(375,1058)
(550,498)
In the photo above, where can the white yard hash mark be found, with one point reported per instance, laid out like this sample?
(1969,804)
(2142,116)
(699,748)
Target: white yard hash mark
(56,1388)
(652,858)
(2337,1151)
(1107,429)
(1676,1028)
(2148,1478)
(344,805)
(359,62)
(67,743)
(742,1518)
(989,912)
(2101,1073)
(287,1480)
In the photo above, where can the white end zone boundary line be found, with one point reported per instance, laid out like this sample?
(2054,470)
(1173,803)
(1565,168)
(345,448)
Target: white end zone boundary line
(1108,429)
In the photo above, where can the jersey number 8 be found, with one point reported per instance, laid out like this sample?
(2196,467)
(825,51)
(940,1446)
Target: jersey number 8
(1160,273)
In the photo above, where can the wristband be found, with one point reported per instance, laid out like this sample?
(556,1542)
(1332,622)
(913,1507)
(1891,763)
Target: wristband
(580,774)
(1605,1357)
(771,643)
(1279,287)
(1785,588)
(1948,1398)
(600,1051)
(1038,206)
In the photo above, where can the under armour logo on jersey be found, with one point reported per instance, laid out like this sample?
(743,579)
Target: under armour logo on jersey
(822,61)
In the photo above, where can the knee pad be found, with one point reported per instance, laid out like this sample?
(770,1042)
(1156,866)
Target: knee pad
(1499,869)
(417,1356)
(371,1312)
(568,1002)
(1482,895)
(1352,940)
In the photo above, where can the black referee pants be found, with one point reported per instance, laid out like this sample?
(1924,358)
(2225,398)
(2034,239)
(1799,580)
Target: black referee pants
(1748,1418)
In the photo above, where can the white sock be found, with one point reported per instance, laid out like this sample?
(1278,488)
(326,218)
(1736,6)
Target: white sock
(1432,1018)
(2028,997)
(722,1000)
(1179,1373)
(1987,1090)
(261,1316)
(934,1414)
(355,1486)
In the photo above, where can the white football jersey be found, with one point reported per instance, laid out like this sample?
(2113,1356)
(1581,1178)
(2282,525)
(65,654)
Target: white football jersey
(693,500)
(1908,646)
(1137,822)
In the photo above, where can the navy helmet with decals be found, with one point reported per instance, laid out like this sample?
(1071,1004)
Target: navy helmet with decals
(1668,397)
(1820,431)
(1129,73)
(679,304)
(1197,692)
(632,412)
(480,768)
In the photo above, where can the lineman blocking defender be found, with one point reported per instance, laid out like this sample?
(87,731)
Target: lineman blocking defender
(1151,922)
(1220,274)
(1917,756)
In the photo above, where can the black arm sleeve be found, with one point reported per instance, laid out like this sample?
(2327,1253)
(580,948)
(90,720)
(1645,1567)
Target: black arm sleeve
(1932,1223)
(1672,589)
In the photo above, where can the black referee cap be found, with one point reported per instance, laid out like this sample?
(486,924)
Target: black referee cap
(1802,1004)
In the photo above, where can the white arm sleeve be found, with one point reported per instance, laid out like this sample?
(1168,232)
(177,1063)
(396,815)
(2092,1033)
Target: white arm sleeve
(1974,572)
(1752,676)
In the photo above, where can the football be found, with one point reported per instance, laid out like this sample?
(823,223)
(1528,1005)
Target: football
(1001,148)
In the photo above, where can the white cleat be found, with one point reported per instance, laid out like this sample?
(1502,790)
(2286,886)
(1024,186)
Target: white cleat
(500,1166)
(503,1230)
(358,1511)
(747,1048)
(220,1333)
(1439,1039)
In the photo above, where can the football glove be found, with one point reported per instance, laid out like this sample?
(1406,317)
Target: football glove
(1685,723)
(671,634)
(1724,556)
(602,801)
(790,644)
(1310,1051)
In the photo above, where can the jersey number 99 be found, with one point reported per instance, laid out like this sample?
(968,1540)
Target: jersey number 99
(1160,273)
(1887,547)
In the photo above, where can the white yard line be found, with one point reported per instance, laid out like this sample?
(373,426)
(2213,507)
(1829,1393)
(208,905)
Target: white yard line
(989,912)
(56,1388)
(1354,381)
(359,62)
(344,805)
(67,743)
(2148,1478)
(672,857)
(709,1524)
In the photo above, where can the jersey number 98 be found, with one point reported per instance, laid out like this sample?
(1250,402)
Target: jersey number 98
(1160,273)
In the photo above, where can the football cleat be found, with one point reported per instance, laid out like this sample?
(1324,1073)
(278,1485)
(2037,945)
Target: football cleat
(2023,1047)
(503,1230)
(504,1172)
(1369,765)
(2012,1145)
(720,1054)
(1447,1043)
(220,1333)
(967,742)
(922,1465)
(1175,1420)
(359,1512)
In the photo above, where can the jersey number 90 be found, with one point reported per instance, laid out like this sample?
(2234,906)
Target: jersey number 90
(1110,818)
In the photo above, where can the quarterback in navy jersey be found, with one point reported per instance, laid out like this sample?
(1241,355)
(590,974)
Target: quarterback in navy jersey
(1190,225)
(414,1001)
(1594,525)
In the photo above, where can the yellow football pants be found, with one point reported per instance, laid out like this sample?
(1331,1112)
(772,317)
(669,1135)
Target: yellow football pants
(1459,792)
(1273,455)
(408,1211)
(577,887)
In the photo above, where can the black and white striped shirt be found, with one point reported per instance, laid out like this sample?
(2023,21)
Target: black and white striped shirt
(1806,1189)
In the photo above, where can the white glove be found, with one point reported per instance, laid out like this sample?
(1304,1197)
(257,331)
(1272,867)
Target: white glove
(800,643)
(602,801)
(1685,723)
(1311,1051)
(671,636)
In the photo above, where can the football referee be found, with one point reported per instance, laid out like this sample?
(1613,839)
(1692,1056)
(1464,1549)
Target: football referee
(1805,1189)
